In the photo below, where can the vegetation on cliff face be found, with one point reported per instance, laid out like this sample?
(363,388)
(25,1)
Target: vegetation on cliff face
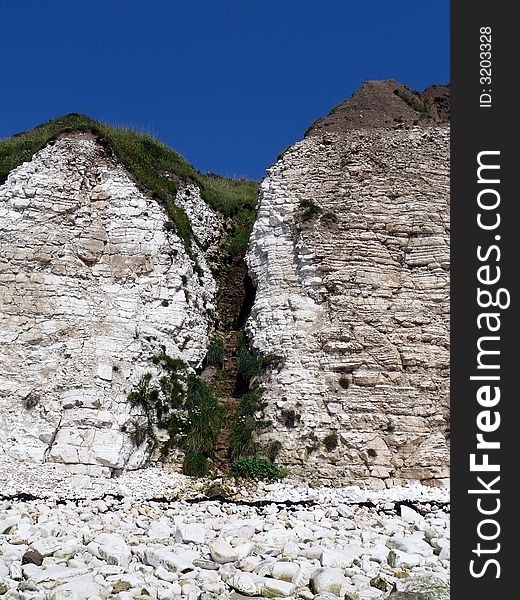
(415,102)
(183,407)
(248,420)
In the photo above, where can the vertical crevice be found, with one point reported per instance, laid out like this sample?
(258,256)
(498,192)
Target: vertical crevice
(247,302)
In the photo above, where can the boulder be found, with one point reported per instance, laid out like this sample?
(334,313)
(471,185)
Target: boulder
(433,588)
(81,588)
(245,583)
(46,546)
(222,552)
(341,559)
(330,580)
(190,533)
(159,530)
(32,557)
(111,548)
(177,562)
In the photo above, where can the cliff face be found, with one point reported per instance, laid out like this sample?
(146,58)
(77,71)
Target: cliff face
(350,255)
(350,258)
(92,285)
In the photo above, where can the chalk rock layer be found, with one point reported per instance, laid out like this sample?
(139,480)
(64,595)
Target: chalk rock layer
(92,285)
(350,256)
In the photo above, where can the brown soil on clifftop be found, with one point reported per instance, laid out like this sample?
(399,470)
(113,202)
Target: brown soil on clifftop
(386,104)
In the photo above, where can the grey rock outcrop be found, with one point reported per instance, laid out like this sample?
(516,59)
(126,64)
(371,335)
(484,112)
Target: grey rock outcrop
(350,256)
(92,285)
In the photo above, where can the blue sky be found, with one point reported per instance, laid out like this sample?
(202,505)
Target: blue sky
(228,84)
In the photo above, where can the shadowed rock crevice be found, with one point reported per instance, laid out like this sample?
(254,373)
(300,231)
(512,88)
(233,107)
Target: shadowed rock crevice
(248,301)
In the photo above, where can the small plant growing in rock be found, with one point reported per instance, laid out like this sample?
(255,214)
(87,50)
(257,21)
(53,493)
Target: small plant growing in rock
(184,407)
(344,382)
(330,441)
(290,418)
(272,360)
(248,420)
(310,450)
(31,401)
(146,397)
(415,103)
(242,440)
(215,355)
(309,210)
(274,450)
(195,427)
(165,302)
(257,468)
(137,430)
(249,365)
(252,363)
(371,453)
(172,365)
(195,464)
(329,218)
(169,226)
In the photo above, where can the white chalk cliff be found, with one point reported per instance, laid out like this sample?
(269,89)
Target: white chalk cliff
(350,256)
(92,285)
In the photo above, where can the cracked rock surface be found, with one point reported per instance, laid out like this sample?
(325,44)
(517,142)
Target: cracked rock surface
(350,256)
(92,285)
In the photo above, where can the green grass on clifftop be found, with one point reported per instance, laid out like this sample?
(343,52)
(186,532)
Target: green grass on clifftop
(151,163)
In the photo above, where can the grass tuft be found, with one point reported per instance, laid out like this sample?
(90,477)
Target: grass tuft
(252,363)
(247,422)
(309,210)
(195,464)
(331,441)
(242,438)
(257,468)
(415,103)
(181,405)
(344,382)
(215,355)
